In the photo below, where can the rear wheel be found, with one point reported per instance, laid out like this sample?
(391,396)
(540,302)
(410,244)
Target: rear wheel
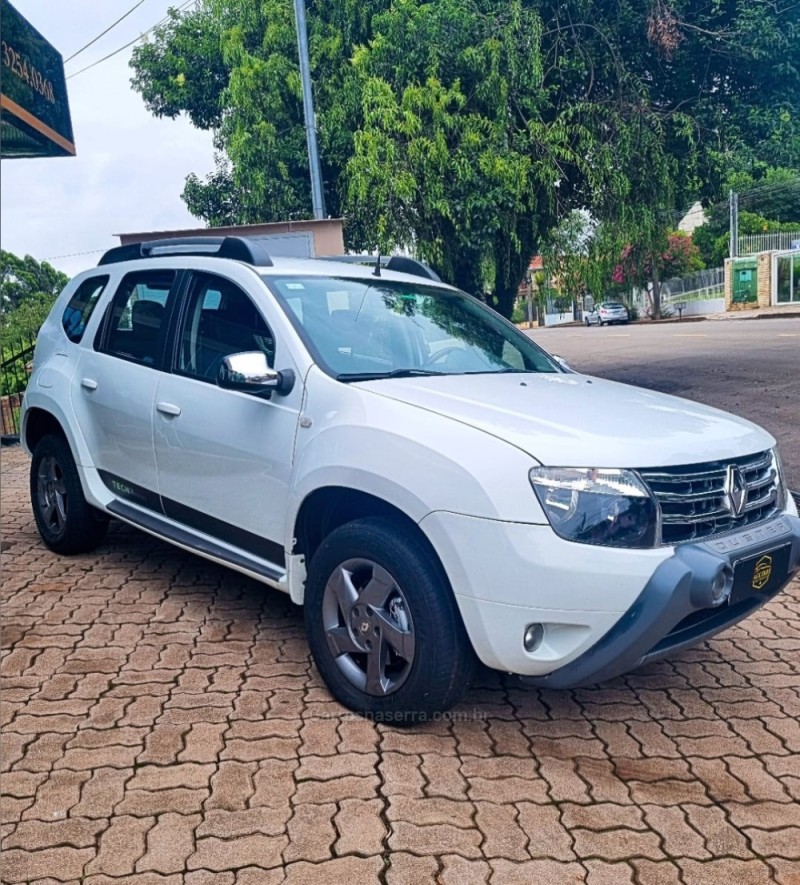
(66,522)
(383,625)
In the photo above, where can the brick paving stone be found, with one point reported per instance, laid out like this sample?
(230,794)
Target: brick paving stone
(231,824)
(232,785)
(274,783)
(34,835)
(311,833)
(713,872)
(721,838)
(340,871)
(432,839)
(650,872)
(360,828)
(229,854)
(680,839)
(169,844)
(783,843)
(602,816)
(457,870)
(320,792)
(401,774)
(546,832)
(434,810)
(617,844)
(600,872)
(121,845)
(25,866)
(502,835)
(506,872)
(181,800)
(407,869)
(443,775)
(57,795)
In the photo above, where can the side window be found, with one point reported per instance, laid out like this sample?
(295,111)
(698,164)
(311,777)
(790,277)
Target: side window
(220,319)
(138,316)
(77,312)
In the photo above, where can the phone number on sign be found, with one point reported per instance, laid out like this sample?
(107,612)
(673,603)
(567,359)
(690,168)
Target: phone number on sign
(19,66)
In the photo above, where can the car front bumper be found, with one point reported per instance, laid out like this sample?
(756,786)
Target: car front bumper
(603,611)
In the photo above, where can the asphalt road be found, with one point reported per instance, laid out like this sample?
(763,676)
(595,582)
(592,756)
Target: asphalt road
(748,367)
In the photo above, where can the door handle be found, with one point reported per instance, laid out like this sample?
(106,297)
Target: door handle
(89,383)
(168,409)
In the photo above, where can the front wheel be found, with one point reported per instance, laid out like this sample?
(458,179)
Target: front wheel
(66,522)
(383,625)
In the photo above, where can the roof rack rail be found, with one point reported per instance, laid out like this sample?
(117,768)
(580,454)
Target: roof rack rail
(399,263)
(237,248)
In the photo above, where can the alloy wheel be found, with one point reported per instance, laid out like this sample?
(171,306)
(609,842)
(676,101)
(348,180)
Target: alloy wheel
(52,494)
(368,626)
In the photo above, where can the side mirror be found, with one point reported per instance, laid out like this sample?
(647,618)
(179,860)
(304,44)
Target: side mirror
(250,373)
(562,362)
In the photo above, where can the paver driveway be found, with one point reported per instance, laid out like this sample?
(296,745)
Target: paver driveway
(162,724)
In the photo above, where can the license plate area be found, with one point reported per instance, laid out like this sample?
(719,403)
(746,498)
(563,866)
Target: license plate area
(760,575)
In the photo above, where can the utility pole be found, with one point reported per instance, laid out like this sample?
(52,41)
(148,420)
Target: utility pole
(733,205)
(317,198)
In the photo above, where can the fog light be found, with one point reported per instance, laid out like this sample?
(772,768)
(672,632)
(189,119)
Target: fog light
(534,634)
(721,588)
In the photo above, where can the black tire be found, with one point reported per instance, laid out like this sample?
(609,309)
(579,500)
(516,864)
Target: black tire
(427,620)
(66,522)
(586,322)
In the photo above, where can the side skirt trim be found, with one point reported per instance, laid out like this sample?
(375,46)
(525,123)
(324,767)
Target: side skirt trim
(239,560)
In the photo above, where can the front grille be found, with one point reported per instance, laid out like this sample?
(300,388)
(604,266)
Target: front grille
(694,504)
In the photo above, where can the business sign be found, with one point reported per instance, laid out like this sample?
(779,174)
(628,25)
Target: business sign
(34,110)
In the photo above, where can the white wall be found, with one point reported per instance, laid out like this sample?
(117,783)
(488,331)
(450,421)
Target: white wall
(698,308)
(558,319)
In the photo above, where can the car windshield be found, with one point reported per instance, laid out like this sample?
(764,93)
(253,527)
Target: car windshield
(613,305)
(359,330)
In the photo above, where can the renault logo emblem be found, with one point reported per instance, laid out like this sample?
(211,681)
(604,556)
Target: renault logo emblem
(735,490)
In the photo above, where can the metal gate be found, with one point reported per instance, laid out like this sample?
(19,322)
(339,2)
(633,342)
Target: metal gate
(13,381)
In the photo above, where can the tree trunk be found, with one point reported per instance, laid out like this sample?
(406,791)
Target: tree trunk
(656,292)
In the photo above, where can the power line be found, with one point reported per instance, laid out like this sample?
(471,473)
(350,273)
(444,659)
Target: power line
(131,42)
(74,254)
(103,33)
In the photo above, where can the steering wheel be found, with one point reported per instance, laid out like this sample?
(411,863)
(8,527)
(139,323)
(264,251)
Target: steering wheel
(441,354)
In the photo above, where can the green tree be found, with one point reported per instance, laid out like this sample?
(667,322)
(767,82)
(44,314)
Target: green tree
(23,279)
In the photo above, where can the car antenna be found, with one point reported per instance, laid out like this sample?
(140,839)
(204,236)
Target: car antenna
(377,271)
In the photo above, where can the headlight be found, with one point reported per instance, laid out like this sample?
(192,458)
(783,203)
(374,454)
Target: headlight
(610,507)
(780,481)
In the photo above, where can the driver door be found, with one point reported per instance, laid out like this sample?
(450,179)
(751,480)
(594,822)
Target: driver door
(224,457)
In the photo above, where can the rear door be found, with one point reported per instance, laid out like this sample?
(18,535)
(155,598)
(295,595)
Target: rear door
(113,389)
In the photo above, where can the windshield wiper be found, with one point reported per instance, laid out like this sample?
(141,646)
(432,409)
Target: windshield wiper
(377,376)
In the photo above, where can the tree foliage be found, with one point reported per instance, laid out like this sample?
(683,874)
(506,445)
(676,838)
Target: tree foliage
(465,130)
(23,279)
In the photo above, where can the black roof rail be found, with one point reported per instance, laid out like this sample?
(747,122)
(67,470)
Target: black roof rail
(399,263)
(237,248)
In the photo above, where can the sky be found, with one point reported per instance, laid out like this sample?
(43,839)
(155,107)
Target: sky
(130,167)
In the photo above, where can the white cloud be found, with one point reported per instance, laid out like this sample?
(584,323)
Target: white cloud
(130,167)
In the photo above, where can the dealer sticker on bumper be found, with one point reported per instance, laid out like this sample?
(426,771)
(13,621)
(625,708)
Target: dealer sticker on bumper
(761,574)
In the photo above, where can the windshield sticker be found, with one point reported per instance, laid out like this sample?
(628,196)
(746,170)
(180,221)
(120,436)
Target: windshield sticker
(295,286)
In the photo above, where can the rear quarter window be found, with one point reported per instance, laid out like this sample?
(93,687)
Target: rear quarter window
(83,302)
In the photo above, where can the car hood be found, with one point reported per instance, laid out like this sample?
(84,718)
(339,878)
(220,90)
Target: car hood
(581,421)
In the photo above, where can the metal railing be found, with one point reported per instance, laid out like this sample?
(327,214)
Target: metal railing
(13,381)
(774,241)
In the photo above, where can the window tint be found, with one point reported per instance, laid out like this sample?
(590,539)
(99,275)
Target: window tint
(220,320)
(77,312)
(138,316)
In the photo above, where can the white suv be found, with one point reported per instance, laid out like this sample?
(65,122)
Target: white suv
(431,485)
